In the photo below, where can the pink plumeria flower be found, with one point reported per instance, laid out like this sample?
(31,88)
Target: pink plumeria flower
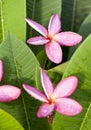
(52,38)
(7,92)
(55,99)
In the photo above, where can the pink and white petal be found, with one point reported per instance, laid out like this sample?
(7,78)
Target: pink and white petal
(38,27)
(1,70)
(38,40)
(68,107)
(35,93)
(68,38)
(65,87)
(45,110)
(54,25)
(9,93)
(47,84)
(54,52)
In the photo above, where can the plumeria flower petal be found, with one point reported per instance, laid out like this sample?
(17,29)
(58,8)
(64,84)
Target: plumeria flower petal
(56,99)
(68,38)
(35,93)
(1,70)
(38,40)
(54,25)
(9,93)
(47,84)
(53,38)
(45,110)
(68,107)
(54,52)
(66,87)
(38,27)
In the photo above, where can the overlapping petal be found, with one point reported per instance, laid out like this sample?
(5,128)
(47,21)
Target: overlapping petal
(68,38)
(54,52)
(47,84)
(38,27)
(9,93)
(45,110)
(65,87)
(35,93)
(68,107)
(1,70)
(56,99)
(38,40)
(54,25)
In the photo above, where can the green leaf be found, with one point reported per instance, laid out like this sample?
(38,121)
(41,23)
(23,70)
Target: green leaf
(60,68)
(41,11)
(42,58)
(54,76)
(7,122)
(20,67)
(12,18)
(74,12)
(80,66)
(84,30)
(56,73)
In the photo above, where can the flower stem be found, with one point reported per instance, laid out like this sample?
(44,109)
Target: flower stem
(50,119)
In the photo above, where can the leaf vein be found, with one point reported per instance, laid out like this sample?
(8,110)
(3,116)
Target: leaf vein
(18,75)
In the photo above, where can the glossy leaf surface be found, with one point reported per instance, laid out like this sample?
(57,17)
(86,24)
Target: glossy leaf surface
(80,66)
(20,67)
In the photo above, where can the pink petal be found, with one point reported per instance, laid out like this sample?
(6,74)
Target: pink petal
(38,40)
(54,25)
(1,70)
(68,107)
(65,87)
(38,27)
(47,84)
(35,93)
(9,93)
(68,38)
(45,110)
(54,52)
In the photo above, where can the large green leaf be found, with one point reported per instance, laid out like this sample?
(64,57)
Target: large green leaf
(12,18)
(79,65)
(7,122)
(85,30)
(41,11)
(74,12)
(20,67)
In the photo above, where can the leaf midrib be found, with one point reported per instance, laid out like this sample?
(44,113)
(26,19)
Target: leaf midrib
(19,82)
(73,16)
(85,116)
(33,14)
